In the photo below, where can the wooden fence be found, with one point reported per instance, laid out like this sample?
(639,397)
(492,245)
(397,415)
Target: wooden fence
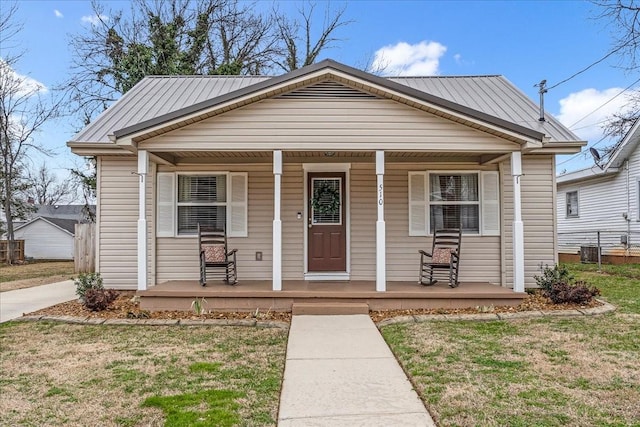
(18,250)
(84,255)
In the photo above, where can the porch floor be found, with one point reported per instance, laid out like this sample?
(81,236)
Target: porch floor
(249,295)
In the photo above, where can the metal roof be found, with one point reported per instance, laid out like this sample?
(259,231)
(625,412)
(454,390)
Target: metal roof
(155,96)
(626,147)
(623,151)
(158,98)
(493,95)
(66,225)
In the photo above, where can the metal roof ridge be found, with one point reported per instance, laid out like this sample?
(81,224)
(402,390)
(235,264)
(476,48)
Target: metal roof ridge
(452,76)
(328,65)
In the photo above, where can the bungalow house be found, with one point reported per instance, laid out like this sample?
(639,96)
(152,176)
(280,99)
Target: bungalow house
(49,230)
(47,238)
(402,156)
(604,198)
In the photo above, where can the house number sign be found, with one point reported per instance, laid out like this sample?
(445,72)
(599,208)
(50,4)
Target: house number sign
(380,195)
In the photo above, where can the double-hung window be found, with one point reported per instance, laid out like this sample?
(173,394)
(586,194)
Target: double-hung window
(572,204)
(217,200)
(202,199)
(469,200)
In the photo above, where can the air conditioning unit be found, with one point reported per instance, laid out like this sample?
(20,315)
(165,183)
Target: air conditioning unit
(588,254)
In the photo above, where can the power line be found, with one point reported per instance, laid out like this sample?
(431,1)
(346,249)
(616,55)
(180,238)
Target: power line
(582,153)
(617,95)
(616,50)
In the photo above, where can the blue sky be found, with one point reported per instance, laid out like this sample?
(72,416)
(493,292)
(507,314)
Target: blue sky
(526,41)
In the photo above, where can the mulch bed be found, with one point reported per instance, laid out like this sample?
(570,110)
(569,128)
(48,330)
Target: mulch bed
(126,307)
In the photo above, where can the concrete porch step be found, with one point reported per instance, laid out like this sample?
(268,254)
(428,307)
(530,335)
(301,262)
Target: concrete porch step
(322,308)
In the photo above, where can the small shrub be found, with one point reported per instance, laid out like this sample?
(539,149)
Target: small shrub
(578,293)
(99,299)
(86,281)
(551,276)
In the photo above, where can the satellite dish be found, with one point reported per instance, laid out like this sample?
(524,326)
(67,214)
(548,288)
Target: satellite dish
(596,156)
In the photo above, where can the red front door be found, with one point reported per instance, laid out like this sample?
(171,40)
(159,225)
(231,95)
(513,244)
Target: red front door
(327,225)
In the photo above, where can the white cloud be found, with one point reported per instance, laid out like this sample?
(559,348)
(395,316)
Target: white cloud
(94,19)
(25,84)
(585,112)
(421,59)
(58,13)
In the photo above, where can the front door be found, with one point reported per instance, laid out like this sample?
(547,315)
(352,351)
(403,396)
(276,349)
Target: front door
(326,221)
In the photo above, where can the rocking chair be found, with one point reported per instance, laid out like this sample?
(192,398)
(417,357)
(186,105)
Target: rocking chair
(445,255)
(215,258)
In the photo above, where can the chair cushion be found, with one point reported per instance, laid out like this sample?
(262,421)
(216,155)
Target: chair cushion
(441,256)
(214,253)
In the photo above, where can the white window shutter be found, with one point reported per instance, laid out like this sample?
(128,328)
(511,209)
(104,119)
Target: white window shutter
(238,214)
(490,204)
(417,203)
(165,210)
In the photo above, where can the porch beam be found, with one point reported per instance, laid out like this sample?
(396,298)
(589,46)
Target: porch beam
(277,223)
(518,228)
(491,159)
(381,274)
(162,159)
(143,168)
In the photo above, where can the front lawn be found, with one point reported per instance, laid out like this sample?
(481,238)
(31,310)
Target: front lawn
(34,274)
(547,372)
(59,374)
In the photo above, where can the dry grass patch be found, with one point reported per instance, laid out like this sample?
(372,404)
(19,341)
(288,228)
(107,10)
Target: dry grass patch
(34,274)
(56,374)
(576,372)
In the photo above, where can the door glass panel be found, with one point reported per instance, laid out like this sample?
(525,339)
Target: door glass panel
(326,201)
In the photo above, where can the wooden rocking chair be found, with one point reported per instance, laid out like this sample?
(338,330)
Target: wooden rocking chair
(445,255)
(215,258)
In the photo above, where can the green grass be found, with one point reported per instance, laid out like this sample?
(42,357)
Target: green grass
(541,372)
(185,410)
(619,284)
(57,374)
(9,273)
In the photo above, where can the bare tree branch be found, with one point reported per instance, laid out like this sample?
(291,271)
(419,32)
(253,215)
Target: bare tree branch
(24,109)
(290,35)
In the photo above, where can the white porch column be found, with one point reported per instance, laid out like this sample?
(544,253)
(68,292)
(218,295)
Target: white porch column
(143,168)
(381,271)
(277,223)
(518,229)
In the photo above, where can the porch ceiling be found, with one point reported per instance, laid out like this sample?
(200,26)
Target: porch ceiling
(322,156)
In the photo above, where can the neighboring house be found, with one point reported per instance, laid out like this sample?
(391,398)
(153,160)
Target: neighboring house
(398,157)
(49,231)
(78,213)
(605,199)
(47,238)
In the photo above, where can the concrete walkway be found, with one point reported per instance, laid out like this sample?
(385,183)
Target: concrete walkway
(14,303)
(340,372)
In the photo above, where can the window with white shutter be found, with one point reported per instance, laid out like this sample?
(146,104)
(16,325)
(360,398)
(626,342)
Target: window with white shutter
(470,200)
(490,204)
(213,200)
(417,204)
(238,209)
(166,205)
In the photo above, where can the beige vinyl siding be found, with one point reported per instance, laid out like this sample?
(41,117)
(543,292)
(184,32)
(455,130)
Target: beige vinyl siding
(480,255)
(327,125)
(118,220)
(177,257)
(292,228)
(364,213)
(536,187)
